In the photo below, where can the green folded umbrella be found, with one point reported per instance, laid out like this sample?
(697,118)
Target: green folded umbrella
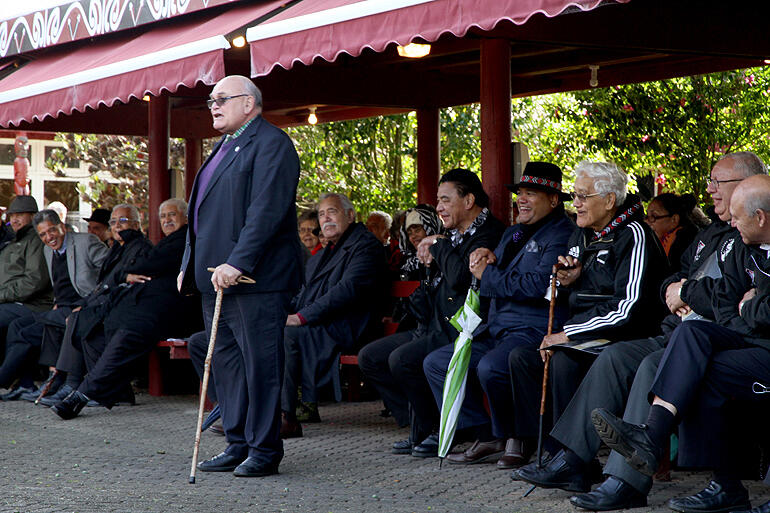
(465,320)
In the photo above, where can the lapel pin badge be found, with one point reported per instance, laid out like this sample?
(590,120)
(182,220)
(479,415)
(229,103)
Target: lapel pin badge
(237,148)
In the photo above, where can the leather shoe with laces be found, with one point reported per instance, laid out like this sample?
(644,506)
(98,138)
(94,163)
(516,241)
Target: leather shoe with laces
(629,440)
(479,452)
(59,396)
(764,508)
(556,473)
(222,462)
(712,499)
(517,453)
(428,448)
(71,405)
(251,467)
(613,493)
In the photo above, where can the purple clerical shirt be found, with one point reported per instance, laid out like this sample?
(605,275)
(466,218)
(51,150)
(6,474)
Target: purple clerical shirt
(205,177)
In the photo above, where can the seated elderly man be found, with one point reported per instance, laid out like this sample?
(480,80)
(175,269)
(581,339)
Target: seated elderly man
(343,287)
(99,225)
(610,277)
(145,310)
(608,382)
(25,287)
(73,260)
(380,224)
(394,364)
(515,277)
(707,364)
(56,349)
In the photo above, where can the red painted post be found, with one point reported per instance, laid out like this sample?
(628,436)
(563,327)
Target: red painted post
(159,179)
(496,124)
(428,155)
(193,159)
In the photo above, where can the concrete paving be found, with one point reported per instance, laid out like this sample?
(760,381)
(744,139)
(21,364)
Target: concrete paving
(137,459)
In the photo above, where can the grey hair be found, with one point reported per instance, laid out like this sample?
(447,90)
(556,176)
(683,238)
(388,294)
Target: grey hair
(756,198)
(134,212)
(46,215)
(746,162)
(607,178)
(250,88)
(344,200)
(387,217)
(179,203)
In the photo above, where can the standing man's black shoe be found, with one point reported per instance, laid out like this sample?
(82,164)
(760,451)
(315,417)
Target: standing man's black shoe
(612,494)
(629,440)
(764,508)
(71,405)
(222,462)
(556,473)
(713,499)
(402,447)
(253,468)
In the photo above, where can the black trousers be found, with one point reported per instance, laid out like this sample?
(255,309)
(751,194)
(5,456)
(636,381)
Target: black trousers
(310,355)
(406,367)
(606,385)
(23,340)
(109,360)
(70,355)
(704,366)
(249,363)
(526,368)
(373,360)
(198,347)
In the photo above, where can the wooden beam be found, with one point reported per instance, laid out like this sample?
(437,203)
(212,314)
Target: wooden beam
(159,180)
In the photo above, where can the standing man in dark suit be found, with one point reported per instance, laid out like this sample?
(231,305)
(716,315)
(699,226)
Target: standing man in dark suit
(243,221)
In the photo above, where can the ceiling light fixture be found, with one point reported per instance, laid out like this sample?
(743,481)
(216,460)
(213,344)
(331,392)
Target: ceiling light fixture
(413,50)
(312,118)
(239,41)
(594,75)
(146,97)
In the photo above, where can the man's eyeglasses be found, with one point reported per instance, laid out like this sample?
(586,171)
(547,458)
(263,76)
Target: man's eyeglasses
(652,217)
(121,220)
(222,100)
(715,183)
(582,197)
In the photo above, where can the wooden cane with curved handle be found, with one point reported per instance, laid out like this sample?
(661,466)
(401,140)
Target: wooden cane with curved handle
(207,373)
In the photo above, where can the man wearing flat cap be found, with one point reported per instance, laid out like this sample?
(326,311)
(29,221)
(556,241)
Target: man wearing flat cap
(25,287)
(515,278)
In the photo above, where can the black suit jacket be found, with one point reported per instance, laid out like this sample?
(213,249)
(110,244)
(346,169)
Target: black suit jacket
(342,295)
(247,216)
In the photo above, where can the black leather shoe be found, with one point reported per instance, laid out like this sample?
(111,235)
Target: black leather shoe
(290,428)
(71,405)
(58,396)
(712,499)
(612,494)
(402,447)
(428,448)
(222,462)
(557,473)
(630,440)
(764,508)
(252,468)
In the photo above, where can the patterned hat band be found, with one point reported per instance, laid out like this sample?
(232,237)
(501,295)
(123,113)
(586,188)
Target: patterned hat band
(536,180)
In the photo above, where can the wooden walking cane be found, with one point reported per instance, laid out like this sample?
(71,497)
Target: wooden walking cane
(545,380)
(207,372)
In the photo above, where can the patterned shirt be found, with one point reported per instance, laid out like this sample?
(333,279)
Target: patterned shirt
(234,135)
(457,237)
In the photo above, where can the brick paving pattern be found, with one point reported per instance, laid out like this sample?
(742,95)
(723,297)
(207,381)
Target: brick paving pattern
(137,459)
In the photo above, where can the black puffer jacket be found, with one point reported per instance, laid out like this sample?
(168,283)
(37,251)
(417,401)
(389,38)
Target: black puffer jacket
(616,294)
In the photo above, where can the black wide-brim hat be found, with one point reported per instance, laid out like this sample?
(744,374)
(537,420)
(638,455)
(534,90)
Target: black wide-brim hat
(543,176)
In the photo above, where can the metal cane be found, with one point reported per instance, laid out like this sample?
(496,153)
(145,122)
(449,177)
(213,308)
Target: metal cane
(207,373)
(545,380)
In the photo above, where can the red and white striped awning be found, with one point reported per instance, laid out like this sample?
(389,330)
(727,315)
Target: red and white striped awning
(74,77)
(325,29)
